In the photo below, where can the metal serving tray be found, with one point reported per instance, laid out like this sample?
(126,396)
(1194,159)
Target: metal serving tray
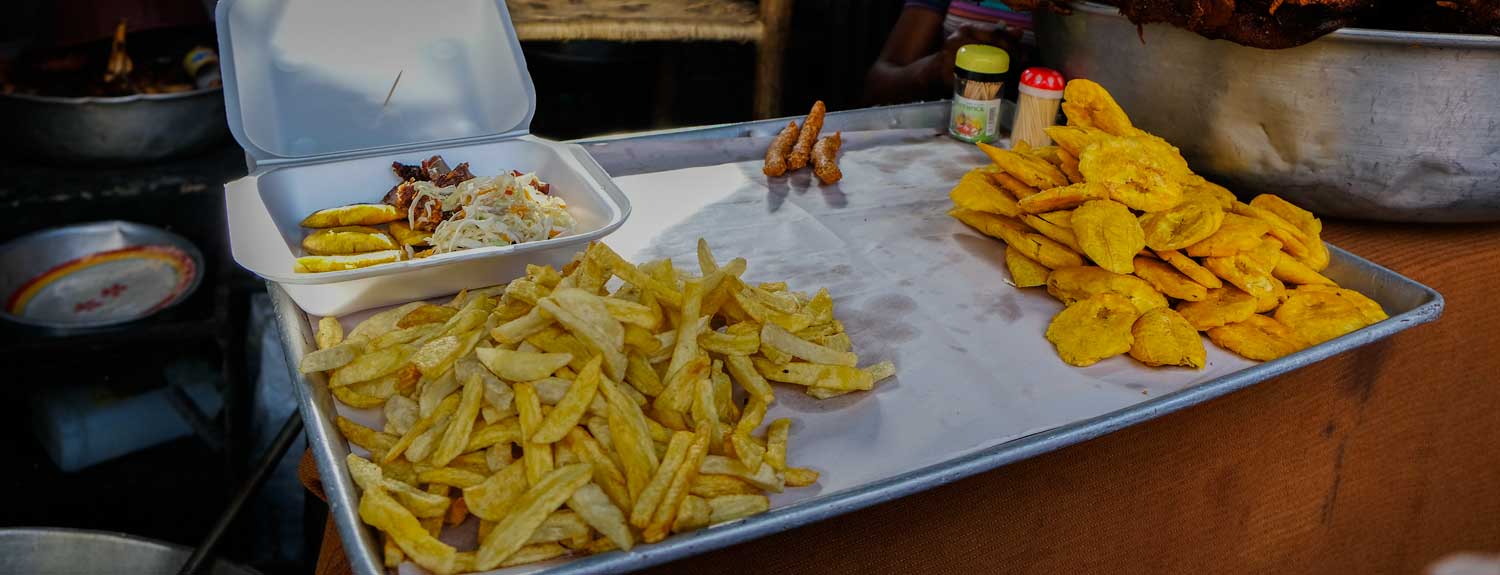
(1106,397)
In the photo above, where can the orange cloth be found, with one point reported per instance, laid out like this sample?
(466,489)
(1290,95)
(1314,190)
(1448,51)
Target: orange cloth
(1380,460)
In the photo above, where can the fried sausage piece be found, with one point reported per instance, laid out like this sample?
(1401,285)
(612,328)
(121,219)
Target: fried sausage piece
(780,147)
(825,159)
(807,137)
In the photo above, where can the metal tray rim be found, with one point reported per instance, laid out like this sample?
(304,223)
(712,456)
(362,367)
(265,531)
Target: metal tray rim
(316,408)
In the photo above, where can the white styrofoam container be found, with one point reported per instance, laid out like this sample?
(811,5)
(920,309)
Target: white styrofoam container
(324,95)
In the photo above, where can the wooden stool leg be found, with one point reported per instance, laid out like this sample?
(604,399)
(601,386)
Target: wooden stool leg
(775,17)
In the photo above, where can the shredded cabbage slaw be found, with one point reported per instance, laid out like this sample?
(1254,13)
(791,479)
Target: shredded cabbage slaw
(493,211)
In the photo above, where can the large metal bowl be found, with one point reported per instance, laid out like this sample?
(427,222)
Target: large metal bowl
(1367,124)
(121,130)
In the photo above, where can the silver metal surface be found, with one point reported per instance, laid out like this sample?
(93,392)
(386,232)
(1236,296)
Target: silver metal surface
(1409,303)
(47,551)
(29,256)
(1367,124)
(127,129)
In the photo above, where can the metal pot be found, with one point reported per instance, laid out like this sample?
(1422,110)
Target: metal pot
(44,551)
(121,130)
(1368,124)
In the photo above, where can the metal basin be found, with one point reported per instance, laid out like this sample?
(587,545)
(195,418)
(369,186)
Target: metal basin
(44,551)
(1367,124)
(123,130)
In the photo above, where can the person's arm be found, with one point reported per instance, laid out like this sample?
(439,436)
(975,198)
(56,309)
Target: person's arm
(906,69)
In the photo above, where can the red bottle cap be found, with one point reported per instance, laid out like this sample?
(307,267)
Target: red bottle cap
(1042,82)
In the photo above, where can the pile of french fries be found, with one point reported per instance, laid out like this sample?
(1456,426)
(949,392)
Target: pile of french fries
(572,417)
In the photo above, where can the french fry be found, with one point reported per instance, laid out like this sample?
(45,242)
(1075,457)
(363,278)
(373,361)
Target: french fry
(661,520)
(443,410)
(632,439)
(744,371)
(706,412)
(692,515)
(640,375)
(651,496)
(731,507)
(633,275)
(569,411)
(534,553)
(451,477)
(380,323)
(837,377)
(392,553)
(776,437)
(519,365)
(369,476)
(331,358)
(639,340)
(528,512)
(330,333)
(764,477)
(632,313)
(508,431)
(800,476)
(750,453)
(686,347)
(723,394)
(438,355)
(598,340)
(491,499)
(369,366)
(607,473)
(457,512)
(363,436)
(774,336)
(755,411)
(598,509)
(730,343)
(517,330)
(537,457)
(378,509)
(710,486)
(425,315)
(559,526)
(456,438)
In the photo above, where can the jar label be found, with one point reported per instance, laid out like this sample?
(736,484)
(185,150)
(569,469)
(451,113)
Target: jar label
(974,120)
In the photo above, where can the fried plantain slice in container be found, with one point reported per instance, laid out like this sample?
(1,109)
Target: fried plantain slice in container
(1194,186)
(1069,166)
(1236,234)
(355,215)
(1192,221)
(1024,272)
(1318,316)
(345,240)
(1163,337)
(1292,271)
(1075,139)
(1071,285)
(1063,197)
(1093,329)
(1108,234)
(976,191)
(1270,301)
(1243,271)
(1031,244)
(1223,306)
(1031,171)
(1190,268)
(1167,280)
(1258,337)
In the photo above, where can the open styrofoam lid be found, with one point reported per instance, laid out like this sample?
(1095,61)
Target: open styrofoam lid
(306,79)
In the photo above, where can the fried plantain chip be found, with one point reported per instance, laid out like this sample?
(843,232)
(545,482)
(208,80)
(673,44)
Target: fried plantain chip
(1223,306)
(1039,248)
(1059,218)
(1074,139)
(345,240)
(1093,329)
(1191,269)
(1236,234)
(1269,301)
(1258,337)
(1192,221)
(1168,280)
(976,192)
(1059,234)
(1030,171)
(1024,271)
(1163,337)
(1140,172)
(1372,311)
(355,215)
(1293,271)
(1318,316)
(1089,105)
(1068,163)
(1109,234)
(1243,271)
(406,236)
(1063,197)
(1071,285)
(1317,256)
